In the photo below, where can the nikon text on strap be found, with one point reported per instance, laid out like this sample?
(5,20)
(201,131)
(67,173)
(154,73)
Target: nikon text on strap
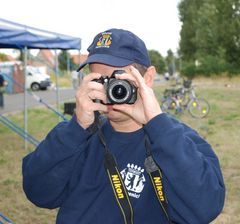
(156,180)
(155,175)
(118,187)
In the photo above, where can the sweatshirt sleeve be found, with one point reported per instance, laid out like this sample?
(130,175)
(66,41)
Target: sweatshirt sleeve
(192,176)
(48,170)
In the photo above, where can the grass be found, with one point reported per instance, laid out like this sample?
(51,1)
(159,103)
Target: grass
(64,81)
(221,128)
(13,202)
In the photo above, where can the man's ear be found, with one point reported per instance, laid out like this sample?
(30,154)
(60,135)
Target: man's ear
(149,76)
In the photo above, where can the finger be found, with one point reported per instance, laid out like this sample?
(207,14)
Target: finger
(126,108)
(90,93)
(94,91)
(97,95)
(99,107)
(126,76)
(87,85)
(136,74)
(95,86)
(91,76)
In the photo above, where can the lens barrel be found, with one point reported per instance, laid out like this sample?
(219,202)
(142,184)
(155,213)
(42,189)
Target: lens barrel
(119,91)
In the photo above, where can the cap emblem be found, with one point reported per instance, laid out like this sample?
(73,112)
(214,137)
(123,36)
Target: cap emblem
(104,40)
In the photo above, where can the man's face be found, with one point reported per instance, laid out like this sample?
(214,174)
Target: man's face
(106,70)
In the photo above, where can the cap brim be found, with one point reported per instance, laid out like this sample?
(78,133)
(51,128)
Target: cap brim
(107,60)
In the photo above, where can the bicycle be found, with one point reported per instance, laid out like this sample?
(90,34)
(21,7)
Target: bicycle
(184,98)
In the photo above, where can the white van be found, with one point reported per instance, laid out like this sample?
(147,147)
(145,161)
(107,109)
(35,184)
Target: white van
(36,80)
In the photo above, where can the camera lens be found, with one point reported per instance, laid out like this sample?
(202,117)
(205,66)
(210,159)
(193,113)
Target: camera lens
(119,92)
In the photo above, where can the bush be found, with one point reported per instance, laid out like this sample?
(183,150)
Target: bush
(209,65)
(189,70)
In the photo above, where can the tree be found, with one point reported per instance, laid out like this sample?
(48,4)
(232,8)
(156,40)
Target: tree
(228,17)
(210,30)
(187,15)
(158,61)
(218,27)
(63,60)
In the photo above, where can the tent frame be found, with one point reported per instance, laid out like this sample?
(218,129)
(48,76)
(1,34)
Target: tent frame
(22,37)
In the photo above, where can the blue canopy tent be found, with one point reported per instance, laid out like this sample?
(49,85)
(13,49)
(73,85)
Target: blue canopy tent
(18,36)
(15,35)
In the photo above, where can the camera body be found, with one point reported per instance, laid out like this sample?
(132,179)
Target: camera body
(118,91)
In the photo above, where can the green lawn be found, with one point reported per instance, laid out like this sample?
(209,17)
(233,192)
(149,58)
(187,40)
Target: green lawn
(221,128)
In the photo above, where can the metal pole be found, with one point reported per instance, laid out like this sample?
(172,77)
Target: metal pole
(57,82)
(25,97)
(68,64)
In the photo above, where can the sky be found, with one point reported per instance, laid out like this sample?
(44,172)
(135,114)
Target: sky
(154,21)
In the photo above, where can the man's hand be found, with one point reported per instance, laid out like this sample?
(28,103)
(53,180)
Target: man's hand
(87,92)
(146,107)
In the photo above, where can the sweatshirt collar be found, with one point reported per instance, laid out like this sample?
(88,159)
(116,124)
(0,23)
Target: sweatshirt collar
(111,134)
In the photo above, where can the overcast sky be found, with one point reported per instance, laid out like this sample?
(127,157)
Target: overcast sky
(155,21)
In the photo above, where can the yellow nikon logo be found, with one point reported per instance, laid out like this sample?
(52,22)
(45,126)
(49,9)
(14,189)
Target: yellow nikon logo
(118,186)
(158,185)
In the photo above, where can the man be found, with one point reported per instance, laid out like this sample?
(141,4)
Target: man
(3,83)
(138,165)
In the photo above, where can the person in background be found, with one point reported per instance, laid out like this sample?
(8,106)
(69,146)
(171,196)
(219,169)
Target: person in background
(80,76)
(75,79)
(134,165)
(3,84)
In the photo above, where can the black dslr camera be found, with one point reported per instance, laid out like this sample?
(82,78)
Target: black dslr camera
(118,91)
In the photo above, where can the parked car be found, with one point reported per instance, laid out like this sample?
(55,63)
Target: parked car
(14,73)
(36,80)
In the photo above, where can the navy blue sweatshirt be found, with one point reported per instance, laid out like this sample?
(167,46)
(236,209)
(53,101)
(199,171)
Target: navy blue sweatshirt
(66,171)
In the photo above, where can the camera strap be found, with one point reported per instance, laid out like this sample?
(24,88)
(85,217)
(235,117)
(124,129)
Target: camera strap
(155,175)
(118,186)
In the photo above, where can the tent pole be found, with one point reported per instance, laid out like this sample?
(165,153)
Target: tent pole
(68,64)
(25,97)
(57,82)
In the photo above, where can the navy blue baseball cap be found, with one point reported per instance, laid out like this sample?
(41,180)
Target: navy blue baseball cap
(117,48)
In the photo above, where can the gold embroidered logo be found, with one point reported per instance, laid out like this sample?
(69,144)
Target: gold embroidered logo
(104,40)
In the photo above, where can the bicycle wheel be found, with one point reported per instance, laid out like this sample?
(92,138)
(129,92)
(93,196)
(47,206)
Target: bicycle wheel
(198,108)
(169,105)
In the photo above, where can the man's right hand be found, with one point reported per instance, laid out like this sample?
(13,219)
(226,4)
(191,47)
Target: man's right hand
(87,92)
